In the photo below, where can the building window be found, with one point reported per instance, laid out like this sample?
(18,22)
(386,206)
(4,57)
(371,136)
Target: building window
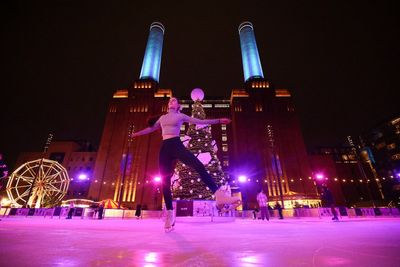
(238,108)
(225,147)
(290,109)
(224,138)
(113,109)
(259,108)
(396,157)
(225,163)
(221,105)
(223,127)
(352,157)
(391,146)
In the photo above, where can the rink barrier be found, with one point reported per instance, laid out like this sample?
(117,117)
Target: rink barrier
(204,209)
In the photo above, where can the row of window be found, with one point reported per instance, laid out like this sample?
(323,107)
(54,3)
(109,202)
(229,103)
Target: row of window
(349,157)
(258,108)
(140,108)
(143,85)
(388,147)
(260,84)
(396,157)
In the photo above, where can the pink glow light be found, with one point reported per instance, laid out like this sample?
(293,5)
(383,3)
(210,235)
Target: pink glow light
(242,178)
(82,176)
(319,176)
(157,179)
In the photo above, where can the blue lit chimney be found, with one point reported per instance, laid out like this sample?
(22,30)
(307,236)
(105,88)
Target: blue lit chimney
(152,56)
(250,58)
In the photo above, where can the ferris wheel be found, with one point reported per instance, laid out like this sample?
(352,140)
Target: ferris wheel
(38,183)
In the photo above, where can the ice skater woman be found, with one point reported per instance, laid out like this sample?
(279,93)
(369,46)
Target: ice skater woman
(172,149)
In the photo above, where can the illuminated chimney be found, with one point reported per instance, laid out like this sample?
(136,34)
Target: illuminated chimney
(152,55)
(250,58)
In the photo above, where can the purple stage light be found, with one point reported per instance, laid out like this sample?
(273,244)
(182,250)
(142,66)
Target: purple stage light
(82,176)
(242,178)
(157,179)
(319,176)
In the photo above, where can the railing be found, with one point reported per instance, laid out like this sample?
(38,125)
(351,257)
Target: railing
(207,211)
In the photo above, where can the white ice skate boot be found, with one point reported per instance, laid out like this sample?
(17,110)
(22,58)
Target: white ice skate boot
(221,199)
(169,221)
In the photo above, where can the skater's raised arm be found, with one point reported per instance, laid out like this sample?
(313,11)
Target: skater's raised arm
(148,130)
(186,118)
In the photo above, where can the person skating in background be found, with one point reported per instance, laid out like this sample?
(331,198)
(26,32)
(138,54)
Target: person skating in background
(71,210)
(329,201)
(262,203)
(173,149)
(101,210)
(279,208)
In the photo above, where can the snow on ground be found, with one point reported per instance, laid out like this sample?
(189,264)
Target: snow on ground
(199,242)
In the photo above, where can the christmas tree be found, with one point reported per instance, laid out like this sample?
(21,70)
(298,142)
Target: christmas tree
(186,182)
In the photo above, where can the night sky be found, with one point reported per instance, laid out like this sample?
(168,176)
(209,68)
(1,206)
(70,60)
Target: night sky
(62,61)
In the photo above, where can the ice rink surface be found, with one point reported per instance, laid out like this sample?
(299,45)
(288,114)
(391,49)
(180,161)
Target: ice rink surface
(304,242)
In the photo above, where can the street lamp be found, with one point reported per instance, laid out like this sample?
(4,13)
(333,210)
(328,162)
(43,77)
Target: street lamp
(319,176)
(82,176)
(242,178)
(157,179)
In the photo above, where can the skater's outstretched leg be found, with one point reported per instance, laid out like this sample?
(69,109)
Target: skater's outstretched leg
(189,159)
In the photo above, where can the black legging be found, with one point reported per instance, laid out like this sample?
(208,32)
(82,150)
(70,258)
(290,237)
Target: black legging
(171,150)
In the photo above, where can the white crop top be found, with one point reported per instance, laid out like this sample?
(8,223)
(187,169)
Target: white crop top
(171,122)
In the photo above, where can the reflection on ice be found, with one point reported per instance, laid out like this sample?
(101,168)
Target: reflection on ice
(150,257)
(249,259)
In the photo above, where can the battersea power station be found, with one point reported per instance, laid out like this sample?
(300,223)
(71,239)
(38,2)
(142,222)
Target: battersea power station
(263,143)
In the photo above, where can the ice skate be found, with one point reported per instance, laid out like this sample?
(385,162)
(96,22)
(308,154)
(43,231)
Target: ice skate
(169,221)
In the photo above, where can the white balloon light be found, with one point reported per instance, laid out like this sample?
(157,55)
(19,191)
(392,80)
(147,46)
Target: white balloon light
(197,94)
